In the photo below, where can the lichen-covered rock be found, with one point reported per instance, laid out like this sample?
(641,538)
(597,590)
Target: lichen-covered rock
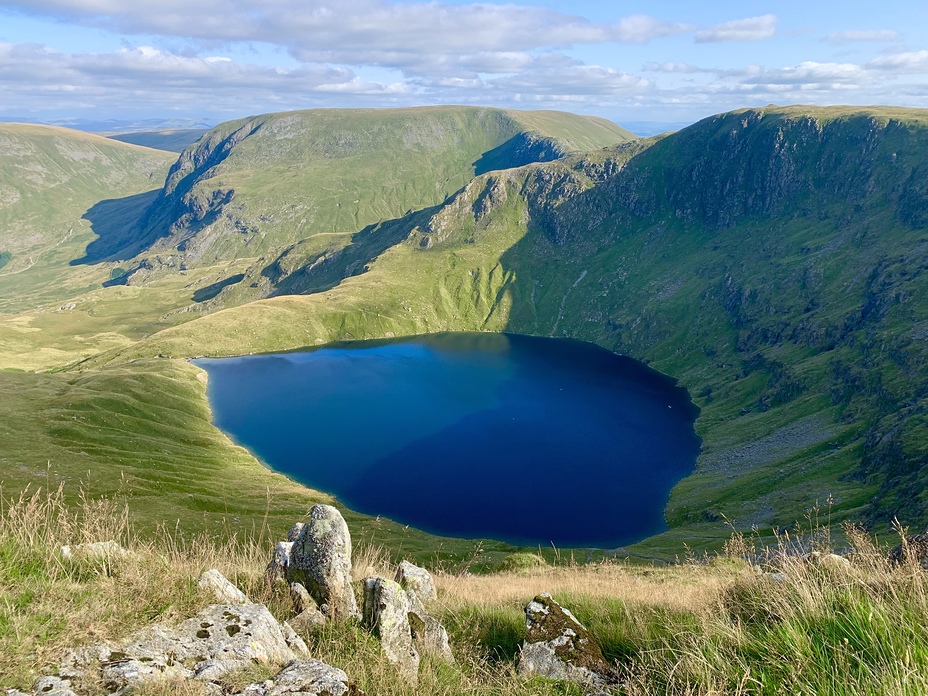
(310,677)
(121,673)
(220,639)
(321,561)
(558,646)
(219,586)
(412,577)
(294,642)
(386,610)
(279,565)
(429,636)
(294,531)
(301,598)
(52,686)
(308,614)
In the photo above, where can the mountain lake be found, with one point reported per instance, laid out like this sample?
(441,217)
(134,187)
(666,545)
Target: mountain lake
(520,439)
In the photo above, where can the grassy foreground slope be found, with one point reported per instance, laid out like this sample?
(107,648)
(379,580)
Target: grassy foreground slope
(771,259)
(49,178)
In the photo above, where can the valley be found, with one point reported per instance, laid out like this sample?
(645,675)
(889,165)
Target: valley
(769,259)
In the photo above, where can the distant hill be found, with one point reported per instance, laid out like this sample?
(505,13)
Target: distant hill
(49,178)
(253,186)
(772,259)
(170,140)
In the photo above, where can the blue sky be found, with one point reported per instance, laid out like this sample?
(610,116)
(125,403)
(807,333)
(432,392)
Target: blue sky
(666,62)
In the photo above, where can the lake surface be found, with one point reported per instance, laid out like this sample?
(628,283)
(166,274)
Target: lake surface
(521,439)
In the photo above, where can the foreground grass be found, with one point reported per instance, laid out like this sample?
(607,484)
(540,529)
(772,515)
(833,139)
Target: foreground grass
(714,627)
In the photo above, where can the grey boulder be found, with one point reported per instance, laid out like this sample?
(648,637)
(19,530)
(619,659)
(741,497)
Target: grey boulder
(558,646)
(320,560)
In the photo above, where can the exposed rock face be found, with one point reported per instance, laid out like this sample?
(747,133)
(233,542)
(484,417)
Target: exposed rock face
(306,676)
(52,686)
(219,639)
(277,569)
(321,561)
(386,609)
(557,646)
(412,577)
(429,636)
(224,591)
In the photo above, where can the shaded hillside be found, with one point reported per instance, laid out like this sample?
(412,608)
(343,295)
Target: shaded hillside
(771,259)
(253,186)
(49,178)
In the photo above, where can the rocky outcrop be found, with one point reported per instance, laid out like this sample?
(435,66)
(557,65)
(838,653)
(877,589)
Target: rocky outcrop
(305,676)
(404,626)
(558,646)
(386,610)
(320,560)
(412,577)
(220,639)
(429,636)
(224,591)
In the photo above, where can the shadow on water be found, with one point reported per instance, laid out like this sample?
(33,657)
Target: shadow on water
(117,222)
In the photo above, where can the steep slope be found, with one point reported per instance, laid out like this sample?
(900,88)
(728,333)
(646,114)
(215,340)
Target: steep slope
(254,186)
(49,179)
(772,259)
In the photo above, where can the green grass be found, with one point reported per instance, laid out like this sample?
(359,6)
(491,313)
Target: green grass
(49,178)
(785,294)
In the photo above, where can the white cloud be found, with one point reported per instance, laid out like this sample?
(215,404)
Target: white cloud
(909,62)
(750,29)
(671,67)
(875,35)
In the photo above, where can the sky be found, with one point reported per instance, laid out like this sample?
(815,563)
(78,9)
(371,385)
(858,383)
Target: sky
(637,63)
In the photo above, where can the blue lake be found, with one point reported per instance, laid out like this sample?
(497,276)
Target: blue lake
(521,439)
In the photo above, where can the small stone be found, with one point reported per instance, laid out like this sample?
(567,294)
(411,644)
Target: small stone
(219,586)
(310,677)
(307,620)
(412,577)
(296,644)
(301,598)
(52,686)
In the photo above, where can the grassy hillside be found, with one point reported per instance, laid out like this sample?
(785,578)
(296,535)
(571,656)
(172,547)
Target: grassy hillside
(49,179)
(169,140)
(250,187)
(770,259)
